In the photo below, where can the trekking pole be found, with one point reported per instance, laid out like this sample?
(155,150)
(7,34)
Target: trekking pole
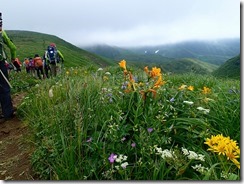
(5,79)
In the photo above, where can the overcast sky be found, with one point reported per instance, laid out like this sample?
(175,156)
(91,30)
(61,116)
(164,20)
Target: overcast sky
(125,22)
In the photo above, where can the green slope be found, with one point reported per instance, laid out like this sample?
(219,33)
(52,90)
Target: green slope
(30,43)
(180,66)
(230,69)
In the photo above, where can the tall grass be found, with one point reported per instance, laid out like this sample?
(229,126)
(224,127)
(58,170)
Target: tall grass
(88,125)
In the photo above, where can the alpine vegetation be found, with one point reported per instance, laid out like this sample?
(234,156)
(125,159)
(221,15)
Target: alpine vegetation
(125,123)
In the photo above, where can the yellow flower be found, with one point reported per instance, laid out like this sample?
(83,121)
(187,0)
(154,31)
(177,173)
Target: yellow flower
(206,100)
(225,146)
(159,82)
(67,72)
(191,88)
(206,90)
(155,72)
(183,86)
(220,148)
(122,64)
(146,70)
(231,155)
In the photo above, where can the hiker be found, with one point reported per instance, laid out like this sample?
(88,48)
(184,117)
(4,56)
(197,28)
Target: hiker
(17,64)
(55,58)
(46,66)
(26,65)
(9,66)
(5,96)
(38,66)
(32,67)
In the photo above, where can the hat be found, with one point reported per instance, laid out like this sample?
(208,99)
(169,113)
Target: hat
(52,45)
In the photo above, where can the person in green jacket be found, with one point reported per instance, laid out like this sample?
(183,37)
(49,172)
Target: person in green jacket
(5,96)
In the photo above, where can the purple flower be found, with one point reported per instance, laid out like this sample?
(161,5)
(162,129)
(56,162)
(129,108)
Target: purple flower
(133,145)
(112,158)
(150,130)
(89,140)
(172,99)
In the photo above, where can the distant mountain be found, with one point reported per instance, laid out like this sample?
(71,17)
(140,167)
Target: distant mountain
(230,69)
(151,59)
(214,52)
(29,43)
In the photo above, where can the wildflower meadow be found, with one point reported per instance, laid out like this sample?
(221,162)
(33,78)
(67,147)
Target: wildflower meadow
(126,123)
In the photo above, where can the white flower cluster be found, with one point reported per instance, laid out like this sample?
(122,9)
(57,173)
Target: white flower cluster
(165,153)
(191,155)
(226,175)
(107,73)
(200,168)
(188,102)
(50,93)
(99,69)
(112,128)
(205,111)
(120,159)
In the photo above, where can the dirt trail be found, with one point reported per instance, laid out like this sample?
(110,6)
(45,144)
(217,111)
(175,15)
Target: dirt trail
(15,151)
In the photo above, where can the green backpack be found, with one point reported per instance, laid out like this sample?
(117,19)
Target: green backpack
(3,55)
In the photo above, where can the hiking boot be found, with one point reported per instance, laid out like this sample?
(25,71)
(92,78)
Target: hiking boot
(3,119)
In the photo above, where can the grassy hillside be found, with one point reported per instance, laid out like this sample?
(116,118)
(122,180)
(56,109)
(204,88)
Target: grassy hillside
(30,43)
(181,66)
(230,69)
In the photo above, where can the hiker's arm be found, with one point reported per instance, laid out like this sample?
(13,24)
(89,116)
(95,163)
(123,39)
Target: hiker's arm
(10,45)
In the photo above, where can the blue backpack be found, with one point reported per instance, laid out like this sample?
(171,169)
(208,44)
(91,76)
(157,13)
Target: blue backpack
(52,54)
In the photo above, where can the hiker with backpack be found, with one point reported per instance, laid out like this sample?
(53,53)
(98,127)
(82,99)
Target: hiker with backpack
(17,64)
(32,66)
(54,58)
(26,65)
(5,86)
(46,66)
(38,66)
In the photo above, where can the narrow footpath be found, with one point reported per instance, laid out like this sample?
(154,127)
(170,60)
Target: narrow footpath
(15,150)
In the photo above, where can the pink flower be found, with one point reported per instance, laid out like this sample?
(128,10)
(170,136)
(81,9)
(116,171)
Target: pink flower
(89,140)
(112,158)
(133,145)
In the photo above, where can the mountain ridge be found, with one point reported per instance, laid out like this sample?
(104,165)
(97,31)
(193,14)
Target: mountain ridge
(214,52)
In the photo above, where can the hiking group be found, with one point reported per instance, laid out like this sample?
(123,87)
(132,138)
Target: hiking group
(48,65)
(52,61)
